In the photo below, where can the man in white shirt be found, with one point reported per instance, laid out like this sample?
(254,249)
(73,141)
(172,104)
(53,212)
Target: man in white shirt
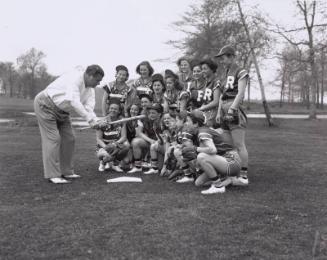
(73,91)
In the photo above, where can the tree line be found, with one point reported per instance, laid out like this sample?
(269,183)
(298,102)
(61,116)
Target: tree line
(25,78)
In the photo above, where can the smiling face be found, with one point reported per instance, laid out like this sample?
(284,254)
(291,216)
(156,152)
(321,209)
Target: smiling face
(113,110)
(170,83)
(121,76)
(157,87)
(134,110)
(207,72)
(167,119)
(153,114)
(197,72)
(144,71)
(145,102)
(184,66)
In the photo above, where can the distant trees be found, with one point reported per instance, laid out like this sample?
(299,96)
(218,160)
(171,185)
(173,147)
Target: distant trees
(308,41)
(28,77)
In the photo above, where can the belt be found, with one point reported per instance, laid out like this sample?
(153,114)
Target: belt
(53,105)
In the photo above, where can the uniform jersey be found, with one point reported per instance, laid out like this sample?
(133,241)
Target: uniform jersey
(112,133)
(151,128)
(189,134)
(221,142)
(172,97)
(202,94)
(229,86)
(143,88)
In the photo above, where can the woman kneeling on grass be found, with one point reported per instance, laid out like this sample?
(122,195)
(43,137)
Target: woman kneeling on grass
(112,144)
(146,134)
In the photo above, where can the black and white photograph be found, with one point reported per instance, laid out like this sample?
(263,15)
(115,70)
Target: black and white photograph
(153,130)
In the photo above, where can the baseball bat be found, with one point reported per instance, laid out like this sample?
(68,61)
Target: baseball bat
(123,120)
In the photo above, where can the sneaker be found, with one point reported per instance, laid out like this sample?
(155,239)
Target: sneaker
(240,181)
(101,167)
(151,171)
(117,168)
(146,165)
(213,190)
(218,186)
(185,179)
(58,180)
(72,176)
(135,170)
(107,166)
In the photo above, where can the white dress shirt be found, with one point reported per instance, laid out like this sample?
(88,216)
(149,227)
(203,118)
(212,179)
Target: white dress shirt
(69,93)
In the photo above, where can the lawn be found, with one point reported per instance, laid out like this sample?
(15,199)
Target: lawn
(275,217)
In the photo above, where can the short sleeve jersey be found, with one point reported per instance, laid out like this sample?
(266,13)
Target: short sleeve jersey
(229,86)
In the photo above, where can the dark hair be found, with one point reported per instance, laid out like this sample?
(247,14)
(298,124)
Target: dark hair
(130,106)
(158,77)
(148,65)
(179,61)
(124,68)
(146,96)
(95,71)
(212,65)
(195,63)
(170,74)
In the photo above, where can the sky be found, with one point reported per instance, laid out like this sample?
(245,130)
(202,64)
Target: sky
(105,32)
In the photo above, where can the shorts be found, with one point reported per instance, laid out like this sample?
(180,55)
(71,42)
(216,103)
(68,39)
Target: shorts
(233,163)
(239,121)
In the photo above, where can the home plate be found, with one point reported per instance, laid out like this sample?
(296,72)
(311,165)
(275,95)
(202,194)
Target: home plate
(125,179)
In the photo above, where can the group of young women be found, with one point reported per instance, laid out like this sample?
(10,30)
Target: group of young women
(193,128)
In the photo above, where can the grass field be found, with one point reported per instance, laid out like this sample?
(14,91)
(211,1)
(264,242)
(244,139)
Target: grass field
(276,217)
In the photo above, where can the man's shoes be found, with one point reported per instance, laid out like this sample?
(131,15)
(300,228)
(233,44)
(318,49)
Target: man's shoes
(135,170)
(71,176)
(101,167)
(151,171)
(58,180)
(185,179)
(107,166)
(116,168)
(240,180)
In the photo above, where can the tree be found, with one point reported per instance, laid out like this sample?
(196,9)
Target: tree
(251,44)
(214,23)
(10,76)
(30,64)
(308,12)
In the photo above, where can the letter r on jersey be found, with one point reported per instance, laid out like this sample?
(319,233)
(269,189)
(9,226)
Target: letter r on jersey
(229,82)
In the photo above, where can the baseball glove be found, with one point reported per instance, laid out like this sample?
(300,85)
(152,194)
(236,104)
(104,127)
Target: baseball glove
(189,153)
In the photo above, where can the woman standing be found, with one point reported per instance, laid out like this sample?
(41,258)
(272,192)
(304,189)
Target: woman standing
(118,90)
(144,83)
(230,114)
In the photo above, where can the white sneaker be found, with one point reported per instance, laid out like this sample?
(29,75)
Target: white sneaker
(240,181)
(146,165)
(218,186)
(151,171)
(72,176)
(101,167)
(185,179)
(213,190)
(58,180)
(107,166)
(116,168)
(135,170)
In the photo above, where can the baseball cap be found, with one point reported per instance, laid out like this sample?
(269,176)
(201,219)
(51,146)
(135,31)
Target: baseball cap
(227,49)
(157,107)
